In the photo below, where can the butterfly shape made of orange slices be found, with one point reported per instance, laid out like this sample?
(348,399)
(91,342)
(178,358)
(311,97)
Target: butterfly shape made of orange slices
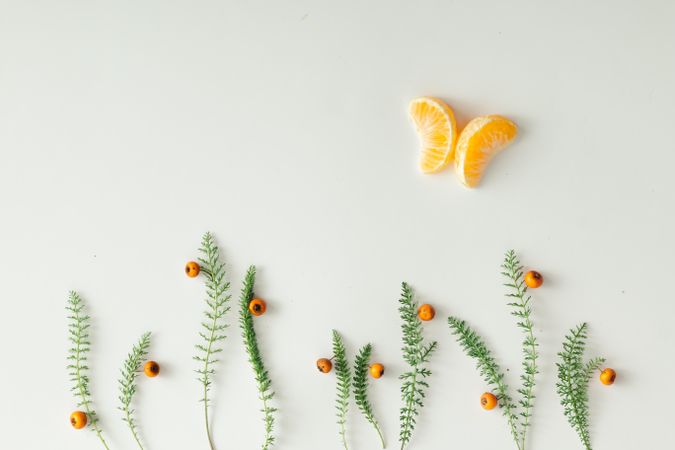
(471,151)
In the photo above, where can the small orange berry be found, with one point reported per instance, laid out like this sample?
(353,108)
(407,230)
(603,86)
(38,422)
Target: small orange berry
(426,312)
(376,370)
(257,307)
(192,269)
(533,279)
(324,365)
(78,420)
(151,369)
(488,401)
(607,377)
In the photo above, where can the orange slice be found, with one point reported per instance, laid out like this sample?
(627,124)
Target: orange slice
(437,130)
(479,142)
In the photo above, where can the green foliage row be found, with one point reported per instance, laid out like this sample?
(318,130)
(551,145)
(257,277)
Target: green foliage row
(573,373)
(212,334)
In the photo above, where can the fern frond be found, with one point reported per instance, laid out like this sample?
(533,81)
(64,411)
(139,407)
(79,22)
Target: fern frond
(475,348)
(522,310)
(592,365)
(78,335)
(361,388)
(213,328)
(416,353)
(573,377)
(255,358)
(127,383)
(344,378)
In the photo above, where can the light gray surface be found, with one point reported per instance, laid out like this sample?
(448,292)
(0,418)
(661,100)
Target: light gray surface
(129,128)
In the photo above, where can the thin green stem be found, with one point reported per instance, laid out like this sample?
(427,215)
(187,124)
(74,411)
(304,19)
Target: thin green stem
(206,386)
(506,403)
(268,429)
(406,423)
(379,433)
(206,418)
(100,435)
(133,431)
(343,433)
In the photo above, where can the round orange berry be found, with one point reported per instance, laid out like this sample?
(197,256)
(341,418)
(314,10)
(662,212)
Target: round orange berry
(607,377)
(376,370)
(324,365)
(257,307)
(426,312)
(78,420)
(151,369)
(192,269)
(533,279)
(488,401)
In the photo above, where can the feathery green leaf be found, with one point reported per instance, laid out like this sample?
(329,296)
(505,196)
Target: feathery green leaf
(361,388)
(416,353)
(213,329)
(573,377)
(344,378)
(127,383)
(78,335)
(255,358)
(522,309)
(475,347)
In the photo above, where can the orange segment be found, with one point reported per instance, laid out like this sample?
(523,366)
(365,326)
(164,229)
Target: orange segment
(479,142)
(437,130)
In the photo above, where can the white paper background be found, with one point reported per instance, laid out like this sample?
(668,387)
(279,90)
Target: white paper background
(129,128)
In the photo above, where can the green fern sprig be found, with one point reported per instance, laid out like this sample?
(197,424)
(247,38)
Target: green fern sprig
(573,378)
(344,378)
(522,309)
(78,335)
(251,344)
(213,328)
(475,347)
(361,388)
(127,384)
(416,354)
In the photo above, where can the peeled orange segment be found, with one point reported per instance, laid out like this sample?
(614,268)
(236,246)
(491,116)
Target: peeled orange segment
(437,130)
(479,142)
